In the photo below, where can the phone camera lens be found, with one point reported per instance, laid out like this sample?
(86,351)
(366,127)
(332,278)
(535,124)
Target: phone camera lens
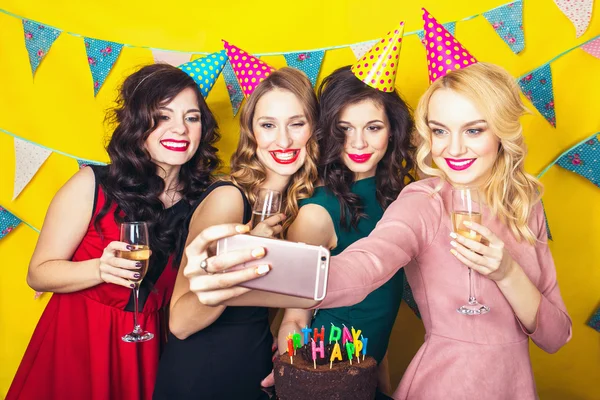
(323,258)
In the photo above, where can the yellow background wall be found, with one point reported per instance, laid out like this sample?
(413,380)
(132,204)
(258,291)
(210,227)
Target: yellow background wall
(58,109)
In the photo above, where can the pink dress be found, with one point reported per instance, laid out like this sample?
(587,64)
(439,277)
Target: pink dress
(463,357)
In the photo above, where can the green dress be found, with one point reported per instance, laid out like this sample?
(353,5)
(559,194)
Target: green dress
(376,314)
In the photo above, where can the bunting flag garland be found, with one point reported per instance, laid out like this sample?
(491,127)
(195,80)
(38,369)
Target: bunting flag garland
(547,223)
(579,13)
(101,58)
(29,158)
(173,58)
(450,27)
(38,40)
(8,222)
(360,49)
(594,321)
(537,87)
(507,21)
(583,159)
(86,163)
(407,296)
(592,47)
(236,96)
(308,61)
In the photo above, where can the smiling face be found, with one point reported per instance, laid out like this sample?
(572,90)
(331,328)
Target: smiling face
(367,135)
(462,144)
(175,139)
(281,130)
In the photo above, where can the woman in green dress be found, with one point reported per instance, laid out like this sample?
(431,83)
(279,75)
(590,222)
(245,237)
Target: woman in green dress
(366,160)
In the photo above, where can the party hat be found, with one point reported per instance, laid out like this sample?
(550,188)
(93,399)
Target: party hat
(205,70)
(444,52)
(249,70)
(377,68)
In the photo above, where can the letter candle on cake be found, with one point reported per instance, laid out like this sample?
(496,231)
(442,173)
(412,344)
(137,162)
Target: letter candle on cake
(290,348)
(335,353)
(318,334)
(335,334)
(317,349)
(350,350)
(346,336)
(364,348)
(306,337)
(297,339)
(357,343)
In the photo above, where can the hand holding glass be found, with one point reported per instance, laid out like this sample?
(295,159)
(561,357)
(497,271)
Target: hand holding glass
(268,203)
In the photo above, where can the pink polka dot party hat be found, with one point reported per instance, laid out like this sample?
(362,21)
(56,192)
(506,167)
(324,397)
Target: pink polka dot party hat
(249,70)
(444,52)
(377,68)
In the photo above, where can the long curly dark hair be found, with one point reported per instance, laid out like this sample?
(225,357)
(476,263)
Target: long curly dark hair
(131,179)
(393,173)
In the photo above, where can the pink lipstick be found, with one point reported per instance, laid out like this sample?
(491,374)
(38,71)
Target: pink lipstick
(459,164)
(360,158)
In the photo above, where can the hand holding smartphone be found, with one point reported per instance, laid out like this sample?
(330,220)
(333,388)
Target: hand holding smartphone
(297,269)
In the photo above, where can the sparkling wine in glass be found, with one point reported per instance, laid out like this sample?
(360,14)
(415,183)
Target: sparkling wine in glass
(268,203)
(136,235)
(466,206)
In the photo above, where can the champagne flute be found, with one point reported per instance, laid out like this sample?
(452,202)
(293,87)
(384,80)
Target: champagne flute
(268,203)
(466,206)
(136,235)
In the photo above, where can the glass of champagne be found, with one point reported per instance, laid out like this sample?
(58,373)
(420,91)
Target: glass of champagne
(466,206)
(268,203)
(136,235)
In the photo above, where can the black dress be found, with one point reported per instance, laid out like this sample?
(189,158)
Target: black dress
(226,360)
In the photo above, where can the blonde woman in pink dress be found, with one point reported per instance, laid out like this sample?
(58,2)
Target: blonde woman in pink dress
(468,117)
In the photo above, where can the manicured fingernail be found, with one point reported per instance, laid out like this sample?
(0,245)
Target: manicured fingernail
(258,252)
(467,223)
(453,235)
(132,285)
(136,276)
(262,269)
(453,243)
(242,229)
(454,253)
(130,247)
(138,264)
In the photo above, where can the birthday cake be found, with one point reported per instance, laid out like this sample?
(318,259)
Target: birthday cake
(313,370)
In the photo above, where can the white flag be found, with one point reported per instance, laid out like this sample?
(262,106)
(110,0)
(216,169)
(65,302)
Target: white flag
(29,158)
(360,49)
(174,58)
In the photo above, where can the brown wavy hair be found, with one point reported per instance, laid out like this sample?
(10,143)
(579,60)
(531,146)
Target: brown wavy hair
(131,180)
(248,172)
(337,91)
(510,192)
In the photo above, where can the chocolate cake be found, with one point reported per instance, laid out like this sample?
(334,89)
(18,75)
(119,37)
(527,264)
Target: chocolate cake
(301,381)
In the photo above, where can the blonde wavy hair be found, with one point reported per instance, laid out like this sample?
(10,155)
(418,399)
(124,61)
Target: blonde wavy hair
(248,172)
(509,192)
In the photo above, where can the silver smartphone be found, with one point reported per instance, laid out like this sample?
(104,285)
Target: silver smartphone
(297,269)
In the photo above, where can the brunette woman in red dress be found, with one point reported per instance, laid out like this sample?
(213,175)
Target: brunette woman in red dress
(161,159)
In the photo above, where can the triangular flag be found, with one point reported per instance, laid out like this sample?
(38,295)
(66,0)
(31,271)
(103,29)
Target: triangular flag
(360,49)
(547,224)
(38,40)
(236,96)
(594,321)
(593,47)
(205,71)
(307,61)
(101,58)
(8,222)
(85,163)
(578,11)
(29,158)
(407,296)
(537,87)
(173,58)
(377,68)
(584,160)
(450,27)
(507,21)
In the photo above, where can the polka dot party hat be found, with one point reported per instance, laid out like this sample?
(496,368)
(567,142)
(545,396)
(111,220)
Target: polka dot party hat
(205,70)
(377,68)
(249,70)
(444,52)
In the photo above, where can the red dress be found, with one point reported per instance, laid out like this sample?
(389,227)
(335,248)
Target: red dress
(76,351)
